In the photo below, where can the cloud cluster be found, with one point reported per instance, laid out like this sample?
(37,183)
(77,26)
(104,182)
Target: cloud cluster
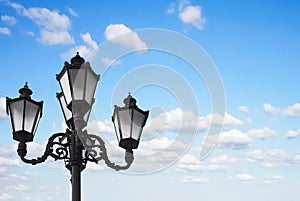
(54,26)
(292,111)
(187,13)
(123,35)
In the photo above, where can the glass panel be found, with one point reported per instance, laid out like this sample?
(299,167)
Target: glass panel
(78,81)
(125,122)
(116,124)
(17,108)
(91,84)
(137,126)
(66,111)
(65,86)
(37,122)
(31,111)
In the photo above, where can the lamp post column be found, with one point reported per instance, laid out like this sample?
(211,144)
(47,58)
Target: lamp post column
(76,163)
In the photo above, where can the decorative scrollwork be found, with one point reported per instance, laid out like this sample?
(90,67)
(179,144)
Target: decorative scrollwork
(96,151)
(56,147)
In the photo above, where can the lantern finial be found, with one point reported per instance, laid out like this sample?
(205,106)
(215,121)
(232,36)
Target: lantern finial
(129,101)
(77,59)
(25,91)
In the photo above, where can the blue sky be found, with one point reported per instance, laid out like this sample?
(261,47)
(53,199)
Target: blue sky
(252,45)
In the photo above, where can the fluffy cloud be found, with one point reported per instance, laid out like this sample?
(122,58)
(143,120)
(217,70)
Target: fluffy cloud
(123,35)
(9,162)
(292,111)
(243,109)
(3,108)
(84,50)
(189,162)
(188,13)
(234,139)
(292,134)
(261,133)
(5,196)
(223,159)
(244,177)
(226,120)
(5,31)
(279,156)
(18,187)
(192,15)
(10,20)
(54,26)
(190,179)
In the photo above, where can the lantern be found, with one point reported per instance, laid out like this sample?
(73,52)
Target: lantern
(25,114)
(129,122)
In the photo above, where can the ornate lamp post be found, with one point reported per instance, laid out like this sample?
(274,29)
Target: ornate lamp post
(78,83)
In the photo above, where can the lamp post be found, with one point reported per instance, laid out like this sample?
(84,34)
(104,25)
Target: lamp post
(78,83)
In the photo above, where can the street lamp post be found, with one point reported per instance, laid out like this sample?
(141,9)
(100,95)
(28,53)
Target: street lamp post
(75,146)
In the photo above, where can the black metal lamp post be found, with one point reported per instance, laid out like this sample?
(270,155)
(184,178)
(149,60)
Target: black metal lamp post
(78,83)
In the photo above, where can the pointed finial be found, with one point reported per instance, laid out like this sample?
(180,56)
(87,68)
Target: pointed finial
(25,91)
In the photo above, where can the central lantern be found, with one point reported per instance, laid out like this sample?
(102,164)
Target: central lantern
(78,84)
(129,122)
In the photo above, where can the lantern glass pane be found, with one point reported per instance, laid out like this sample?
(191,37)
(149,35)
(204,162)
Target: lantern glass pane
(31,112)
(91,83)
(37,121)
(137,125)
(17,109)
(66,111)
(65,86)
(78,81)
(116,124)
(125,117)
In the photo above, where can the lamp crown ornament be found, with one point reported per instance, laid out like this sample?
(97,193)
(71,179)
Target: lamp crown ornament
(77,60)
(25,92)
(129,101)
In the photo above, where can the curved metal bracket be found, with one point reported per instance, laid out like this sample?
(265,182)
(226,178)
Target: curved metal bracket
(96,151)
(56,147)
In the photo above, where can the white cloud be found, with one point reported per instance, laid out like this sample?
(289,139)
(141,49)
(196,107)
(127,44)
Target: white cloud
(190,179)
(292,111)
(226,120)
(268,108)
(54,26)
(10,20)
(84,50)
(224,158)
(272,156)
(5,196)
(244,177)
(9,162)
(291,134)
(174,121)
(272,179)
(5,31)
(18,187)
(189,162)
(123,35)
(261,133)
(234,139)
(171,9)
(3,114)
(243,109)
(72,12)
(192,15)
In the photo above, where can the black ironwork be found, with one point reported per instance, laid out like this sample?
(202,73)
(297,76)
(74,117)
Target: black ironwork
(68,145)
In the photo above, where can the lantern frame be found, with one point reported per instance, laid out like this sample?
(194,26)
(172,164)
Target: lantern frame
(132,140)
(23,134)
(78,83)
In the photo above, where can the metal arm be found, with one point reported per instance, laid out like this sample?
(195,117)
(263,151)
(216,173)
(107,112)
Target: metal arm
(96,151)
(56,148)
